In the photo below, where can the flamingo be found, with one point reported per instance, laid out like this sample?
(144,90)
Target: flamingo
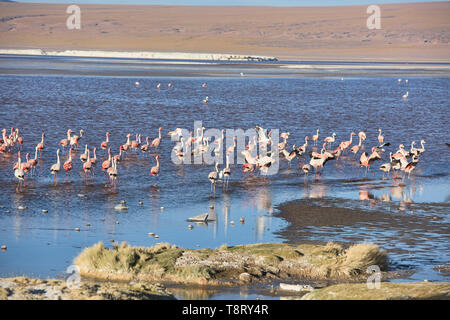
(107,163)
(40,145)
(127,145)
(113,173)
(230,149)
(366,161)
(118,157)
(289,156)
(54,169)
(84,156)
(406,95)
(315,137)
(87,166)
(33,162)
(158,86)
(145,147)
(75,140)
(157,141)
(331,139)
(204,85)
(380,137)
(206,99)
(386,167)
(19,173)
(355,149)
(410,166)
(94,160)
(104,144)
(344,145)
(155,170)
(68,164)
(169,85)
(213,176)
(136,143)
(227,171)
(65,142)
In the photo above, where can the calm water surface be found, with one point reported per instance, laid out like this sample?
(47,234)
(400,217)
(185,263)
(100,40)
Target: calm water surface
(43,245)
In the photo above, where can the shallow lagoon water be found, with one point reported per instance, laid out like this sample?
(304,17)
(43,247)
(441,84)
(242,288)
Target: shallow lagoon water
(44,244)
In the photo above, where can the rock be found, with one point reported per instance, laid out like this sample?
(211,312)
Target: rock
(88,224)
(22,207)
(121,206)
(156,236)
(232,222)
(77,229)
(80,195)
(141,203)
(117,222)
(245,277)
(242,220)
(190,226)
(102,219)
(151,234)
(3,247)
(44,210)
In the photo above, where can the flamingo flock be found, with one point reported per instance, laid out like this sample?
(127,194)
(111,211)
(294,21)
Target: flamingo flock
(308,157)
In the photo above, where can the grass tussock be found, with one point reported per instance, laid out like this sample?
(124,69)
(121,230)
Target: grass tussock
(163,262)
(360,256)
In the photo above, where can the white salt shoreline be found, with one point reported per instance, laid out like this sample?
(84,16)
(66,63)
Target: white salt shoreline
(138,55)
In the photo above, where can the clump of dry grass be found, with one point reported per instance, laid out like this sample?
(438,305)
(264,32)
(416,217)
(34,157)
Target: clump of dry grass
(125,262)
(170,263)
(359,257)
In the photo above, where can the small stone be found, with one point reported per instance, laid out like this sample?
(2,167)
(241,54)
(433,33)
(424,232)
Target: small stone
(141,203)
(88,224)
(242,220)
(190,226)
(44,210)
(162,208)
(245,277)
(8,211)
(22,207)
(151,234)
(3,247)
(80,195)
(117,222)
(231,222)
(156,236)
(102,219)
(77,229)
(211,206)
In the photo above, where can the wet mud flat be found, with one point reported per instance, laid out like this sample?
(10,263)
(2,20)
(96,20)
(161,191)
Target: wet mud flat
(408,231)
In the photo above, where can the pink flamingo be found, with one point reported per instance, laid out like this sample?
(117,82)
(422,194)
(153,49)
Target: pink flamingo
(68,164)
(104,144)
(65,142)
(107,163)
(315,137)
(54,169)
(41,145)
(19,173)
(157,141)
(155,170)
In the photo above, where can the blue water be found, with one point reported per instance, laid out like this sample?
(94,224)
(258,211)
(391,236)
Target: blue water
(44,244)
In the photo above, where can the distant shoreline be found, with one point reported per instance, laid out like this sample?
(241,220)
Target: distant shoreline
(138,55)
